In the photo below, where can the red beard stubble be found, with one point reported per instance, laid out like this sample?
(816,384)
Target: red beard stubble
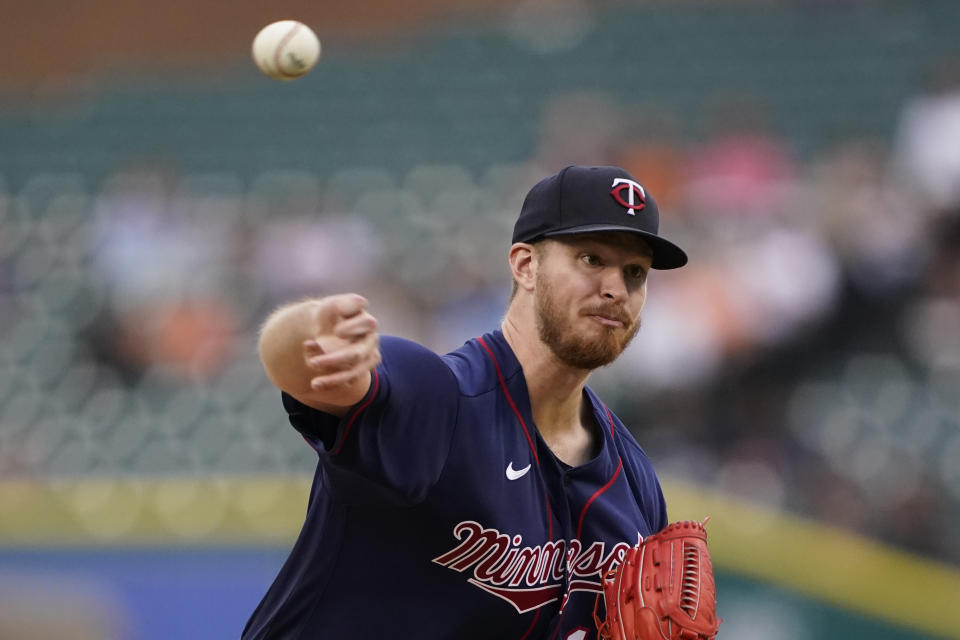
(558,334)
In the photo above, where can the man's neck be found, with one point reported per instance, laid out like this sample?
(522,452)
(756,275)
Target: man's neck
(556,392)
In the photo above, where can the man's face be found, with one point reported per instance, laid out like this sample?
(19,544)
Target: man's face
(590,289)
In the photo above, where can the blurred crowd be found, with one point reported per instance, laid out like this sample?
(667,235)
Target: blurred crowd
(808,357)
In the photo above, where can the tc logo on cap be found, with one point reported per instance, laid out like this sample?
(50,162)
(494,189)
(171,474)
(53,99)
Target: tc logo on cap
(636,197)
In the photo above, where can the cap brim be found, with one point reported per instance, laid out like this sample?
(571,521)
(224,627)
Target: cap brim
(666,255)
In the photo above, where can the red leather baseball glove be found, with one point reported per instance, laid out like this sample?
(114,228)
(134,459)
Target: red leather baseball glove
(663,589)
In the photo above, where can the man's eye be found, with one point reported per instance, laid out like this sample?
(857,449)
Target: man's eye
(636,273)
(591,259)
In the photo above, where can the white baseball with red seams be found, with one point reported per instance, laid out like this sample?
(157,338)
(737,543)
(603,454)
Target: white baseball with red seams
(286,49)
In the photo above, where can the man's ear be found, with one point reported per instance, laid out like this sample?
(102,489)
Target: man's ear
(524,260)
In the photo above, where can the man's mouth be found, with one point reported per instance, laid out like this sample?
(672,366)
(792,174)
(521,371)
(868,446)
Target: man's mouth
(607,321)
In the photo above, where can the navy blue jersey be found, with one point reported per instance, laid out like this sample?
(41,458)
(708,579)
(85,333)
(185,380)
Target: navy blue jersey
(438,511)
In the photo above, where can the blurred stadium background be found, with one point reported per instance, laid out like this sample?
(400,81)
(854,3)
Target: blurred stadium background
(799,381)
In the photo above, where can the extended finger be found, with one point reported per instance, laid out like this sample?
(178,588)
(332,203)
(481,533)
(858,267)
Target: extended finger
(333,309)
(342,378)
(345,357)
(355,327)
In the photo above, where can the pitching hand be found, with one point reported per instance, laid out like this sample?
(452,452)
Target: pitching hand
(346,344)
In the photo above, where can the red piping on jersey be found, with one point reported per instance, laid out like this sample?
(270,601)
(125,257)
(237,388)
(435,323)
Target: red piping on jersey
(516,412)
(555,632)
(599,491)
(532,625)
(609,419)
(353,418)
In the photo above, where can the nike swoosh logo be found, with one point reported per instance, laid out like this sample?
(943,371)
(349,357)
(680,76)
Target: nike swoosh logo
(516,474)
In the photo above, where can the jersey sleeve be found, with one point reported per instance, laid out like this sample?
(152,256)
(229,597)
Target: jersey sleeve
(393,444)
(653,504)
(660,521)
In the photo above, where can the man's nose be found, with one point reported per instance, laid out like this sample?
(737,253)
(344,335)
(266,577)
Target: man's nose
(614,287)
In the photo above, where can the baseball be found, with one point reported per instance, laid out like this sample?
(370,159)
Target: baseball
(286,50)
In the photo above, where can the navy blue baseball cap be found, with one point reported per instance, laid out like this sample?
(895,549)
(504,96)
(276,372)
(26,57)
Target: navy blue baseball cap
(585,199)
